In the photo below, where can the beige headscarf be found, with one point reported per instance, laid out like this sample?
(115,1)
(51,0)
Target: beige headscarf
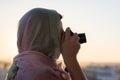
(39,30)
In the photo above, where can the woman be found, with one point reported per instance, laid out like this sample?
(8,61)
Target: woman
(41,39)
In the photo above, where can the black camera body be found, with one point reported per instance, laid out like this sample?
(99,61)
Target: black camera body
(82,37)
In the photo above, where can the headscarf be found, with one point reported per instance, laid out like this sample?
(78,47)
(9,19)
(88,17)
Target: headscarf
(39,30)
(38,35)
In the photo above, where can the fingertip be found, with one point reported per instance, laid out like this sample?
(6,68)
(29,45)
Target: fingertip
(67,33)
(68,29)
(75,34)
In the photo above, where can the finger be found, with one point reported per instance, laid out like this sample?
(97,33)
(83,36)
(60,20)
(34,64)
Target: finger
(75,37)
(67,34)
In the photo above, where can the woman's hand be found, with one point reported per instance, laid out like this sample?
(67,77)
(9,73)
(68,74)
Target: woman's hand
(69,49)
(70,44)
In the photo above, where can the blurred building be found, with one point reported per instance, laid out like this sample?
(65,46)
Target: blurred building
(101,73)
(3,69)
(3,73)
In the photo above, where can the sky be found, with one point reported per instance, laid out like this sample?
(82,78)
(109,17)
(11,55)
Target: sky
(99,19)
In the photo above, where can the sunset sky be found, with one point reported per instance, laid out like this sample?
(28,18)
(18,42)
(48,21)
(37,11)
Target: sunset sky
(99,19)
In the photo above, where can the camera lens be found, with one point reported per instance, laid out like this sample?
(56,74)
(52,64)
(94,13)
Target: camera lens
(82,38)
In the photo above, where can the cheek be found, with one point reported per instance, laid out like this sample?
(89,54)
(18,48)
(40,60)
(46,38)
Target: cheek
(61,39)
(61,36)
(62,33)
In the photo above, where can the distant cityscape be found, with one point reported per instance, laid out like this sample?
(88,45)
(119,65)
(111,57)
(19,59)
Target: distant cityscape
(102,72)
(93,71)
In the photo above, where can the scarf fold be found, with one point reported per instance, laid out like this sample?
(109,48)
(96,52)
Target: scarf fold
(36,66)
(38,42)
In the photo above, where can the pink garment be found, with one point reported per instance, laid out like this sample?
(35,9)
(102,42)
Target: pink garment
(36,66)
(38,41)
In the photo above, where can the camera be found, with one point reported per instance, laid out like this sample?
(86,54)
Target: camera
(82,37)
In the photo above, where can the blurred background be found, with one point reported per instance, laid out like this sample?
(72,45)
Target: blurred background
(99,19)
